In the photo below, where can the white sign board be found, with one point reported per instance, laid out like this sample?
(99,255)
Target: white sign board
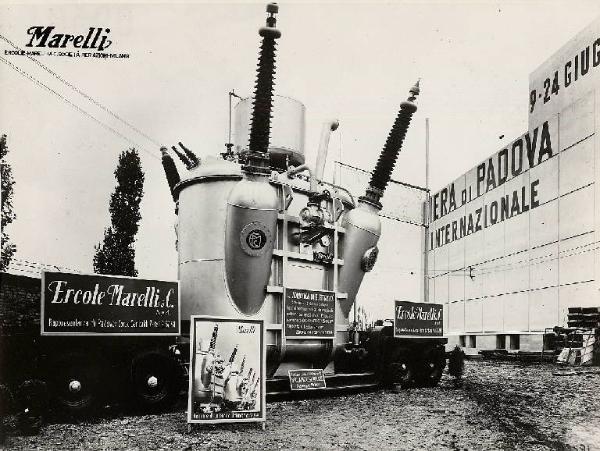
(227,370)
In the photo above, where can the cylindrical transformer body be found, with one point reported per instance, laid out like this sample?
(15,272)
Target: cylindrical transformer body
(201,238)
(216,204)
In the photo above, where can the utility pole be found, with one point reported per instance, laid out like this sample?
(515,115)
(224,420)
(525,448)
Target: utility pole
(426,208)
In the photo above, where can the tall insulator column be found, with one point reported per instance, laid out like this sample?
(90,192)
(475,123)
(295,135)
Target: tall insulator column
(260,125)
(253,202)
(387,159)
(363,226)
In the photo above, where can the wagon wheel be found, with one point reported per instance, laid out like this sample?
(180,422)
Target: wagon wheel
(74,382)
(400,370)
(401,373)
(431,367)
(32,400)
(154,380)
(6,402)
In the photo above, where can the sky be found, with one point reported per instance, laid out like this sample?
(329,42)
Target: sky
(353,61)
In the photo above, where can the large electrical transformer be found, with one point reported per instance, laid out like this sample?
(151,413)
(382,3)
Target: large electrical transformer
(260,235)
(257,223)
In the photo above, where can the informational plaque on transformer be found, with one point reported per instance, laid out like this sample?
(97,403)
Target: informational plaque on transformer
(227,370)
(309,314)
(93,304)
(416,319)
(307,379)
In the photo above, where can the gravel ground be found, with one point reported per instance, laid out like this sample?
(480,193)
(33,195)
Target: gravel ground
(500,405)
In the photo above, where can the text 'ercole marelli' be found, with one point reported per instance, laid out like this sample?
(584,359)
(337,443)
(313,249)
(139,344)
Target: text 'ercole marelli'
(151,298)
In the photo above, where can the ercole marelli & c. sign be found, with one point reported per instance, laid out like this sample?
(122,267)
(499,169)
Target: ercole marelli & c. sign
(89,304)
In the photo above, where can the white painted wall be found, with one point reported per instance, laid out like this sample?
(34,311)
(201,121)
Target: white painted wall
(528,269)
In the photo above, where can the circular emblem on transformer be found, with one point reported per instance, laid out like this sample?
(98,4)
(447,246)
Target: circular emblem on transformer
(254,238)
(369,258)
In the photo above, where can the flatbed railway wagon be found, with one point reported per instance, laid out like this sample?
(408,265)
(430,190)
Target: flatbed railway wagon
(260,235)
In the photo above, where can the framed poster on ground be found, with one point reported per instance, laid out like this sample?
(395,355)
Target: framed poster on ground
(227,370)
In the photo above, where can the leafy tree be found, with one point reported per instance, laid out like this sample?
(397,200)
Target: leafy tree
(116,255)
(8,215)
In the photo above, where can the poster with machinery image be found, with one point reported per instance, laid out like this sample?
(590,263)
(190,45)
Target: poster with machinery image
(227,370)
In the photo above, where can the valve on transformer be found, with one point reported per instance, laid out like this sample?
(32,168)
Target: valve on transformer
(252,205)
(363,226)
(313,220)
(316,221)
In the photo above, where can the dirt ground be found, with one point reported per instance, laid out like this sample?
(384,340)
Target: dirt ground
(500,405)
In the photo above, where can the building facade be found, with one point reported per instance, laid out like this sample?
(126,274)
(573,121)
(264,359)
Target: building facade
(515,241)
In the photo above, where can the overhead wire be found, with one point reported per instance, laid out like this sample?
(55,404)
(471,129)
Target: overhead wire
(385,213)
(77,107)
(513,265)
(485,271)
(478,269)
(39,264)
(35,268)
(82,93)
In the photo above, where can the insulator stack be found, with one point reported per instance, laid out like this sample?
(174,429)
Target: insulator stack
(184,159)
(194,161)
(260,126)
(170,171)
(253,204)
(363,226)
(213,339)
(233,353)
(387,159)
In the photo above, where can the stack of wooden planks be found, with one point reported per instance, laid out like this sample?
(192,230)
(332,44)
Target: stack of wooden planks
(584,317)
(581,339)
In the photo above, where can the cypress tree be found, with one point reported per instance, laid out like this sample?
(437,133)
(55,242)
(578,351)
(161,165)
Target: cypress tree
(116,254)
(8,215)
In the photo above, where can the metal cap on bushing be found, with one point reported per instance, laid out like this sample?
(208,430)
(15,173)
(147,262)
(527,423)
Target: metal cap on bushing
(271,32)
(363,229)
(249,241)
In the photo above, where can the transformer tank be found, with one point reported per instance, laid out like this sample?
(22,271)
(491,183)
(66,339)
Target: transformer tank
(211,274)
(259,227)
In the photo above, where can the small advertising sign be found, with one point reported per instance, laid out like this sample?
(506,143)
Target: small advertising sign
(415,319)
(227,370)
(93,304)
(309,313)
(309,379)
